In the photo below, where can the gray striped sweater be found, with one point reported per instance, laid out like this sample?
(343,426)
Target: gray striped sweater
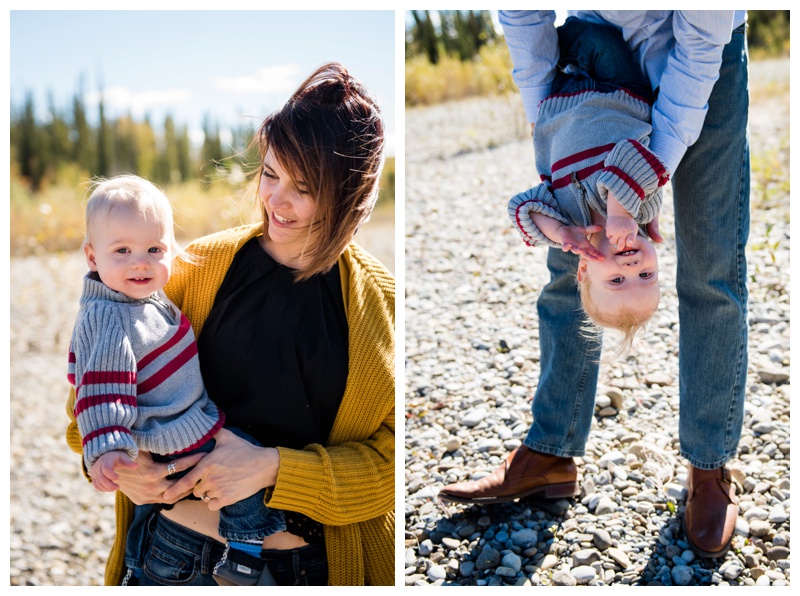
(588,144)
(136,374)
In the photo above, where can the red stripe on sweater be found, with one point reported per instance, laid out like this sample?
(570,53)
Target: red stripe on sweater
(581,155)
(627,180)
(71,357)
(90,401)
(575,93)
(183,329)
(519,223)
(582,174)
(105,431)
(652,161)
(207,437)
(168,369)
(96,377)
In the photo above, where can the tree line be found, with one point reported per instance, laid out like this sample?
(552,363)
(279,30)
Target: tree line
(42,148)
(458,33)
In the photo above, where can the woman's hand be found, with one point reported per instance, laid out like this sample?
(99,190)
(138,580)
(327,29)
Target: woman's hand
(145,481)
(233,471)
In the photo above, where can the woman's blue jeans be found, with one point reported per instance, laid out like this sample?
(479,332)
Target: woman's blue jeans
(711,190)
(178,556)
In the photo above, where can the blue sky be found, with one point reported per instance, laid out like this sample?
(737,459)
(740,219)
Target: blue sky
(237,66)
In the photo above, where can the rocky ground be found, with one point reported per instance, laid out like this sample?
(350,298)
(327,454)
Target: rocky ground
(472,364)
(61,528)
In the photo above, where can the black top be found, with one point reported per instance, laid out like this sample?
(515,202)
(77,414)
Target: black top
(273,354)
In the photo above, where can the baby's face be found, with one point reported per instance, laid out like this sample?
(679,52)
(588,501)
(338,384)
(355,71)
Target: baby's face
(131,254)
(626,278)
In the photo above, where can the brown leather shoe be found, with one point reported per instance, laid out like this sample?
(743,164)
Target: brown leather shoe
(711,510)
(525,472)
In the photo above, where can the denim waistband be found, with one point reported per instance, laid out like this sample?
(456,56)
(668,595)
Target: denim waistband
(193,541)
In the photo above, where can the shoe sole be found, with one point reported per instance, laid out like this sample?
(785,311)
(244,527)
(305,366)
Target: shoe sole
(704,554)
(551,491)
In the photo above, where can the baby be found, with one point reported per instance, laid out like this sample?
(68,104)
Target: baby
(134,365)
(600,183)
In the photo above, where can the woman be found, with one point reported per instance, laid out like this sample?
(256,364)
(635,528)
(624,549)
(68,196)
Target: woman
(295,328)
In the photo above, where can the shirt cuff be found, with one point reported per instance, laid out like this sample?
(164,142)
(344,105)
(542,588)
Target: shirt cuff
(668,149)
(531,98)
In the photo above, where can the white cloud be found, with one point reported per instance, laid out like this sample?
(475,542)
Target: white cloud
(267,80)
(121,98)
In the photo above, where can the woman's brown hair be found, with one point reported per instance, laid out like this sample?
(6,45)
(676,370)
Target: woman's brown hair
(330,136)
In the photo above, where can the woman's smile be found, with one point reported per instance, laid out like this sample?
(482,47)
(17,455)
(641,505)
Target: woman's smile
(291,210)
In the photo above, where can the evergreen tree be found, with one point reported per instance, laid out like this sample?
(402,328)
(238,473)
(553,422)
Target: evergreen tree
(29,152)
(424,35)
(104,144)
(211,153)
(146,150)
(59,146)
(184,152)
(83,150)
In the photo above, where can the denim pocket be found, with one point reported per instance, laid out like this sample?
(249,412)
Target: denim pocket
(315,573)
(170,565)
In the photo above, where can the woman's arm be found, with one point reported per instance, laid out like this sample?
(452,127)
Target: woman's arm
(342,484)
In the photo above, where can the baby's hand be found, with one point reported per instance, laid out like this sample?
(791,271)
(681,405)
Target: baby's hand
(621,230)
(103,475)
(575,239)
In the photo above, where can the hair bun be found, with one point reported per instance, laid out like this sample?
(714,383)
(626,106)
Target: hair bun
(332,84)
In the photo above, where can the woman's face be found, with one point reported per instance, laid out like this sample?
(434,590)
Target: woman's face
(290,209)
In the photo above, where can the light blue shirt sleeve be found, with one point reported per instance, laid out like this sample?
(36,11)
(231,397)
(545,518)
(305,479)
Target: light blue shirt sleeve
(691,70)
(533,45)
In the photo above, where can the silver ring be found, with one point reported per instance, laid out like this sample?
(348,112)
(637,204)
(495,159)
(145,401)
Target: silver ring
(206,498)
(171,468)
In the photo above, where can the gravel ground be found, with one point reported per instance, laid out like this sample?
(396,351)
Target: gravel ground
(472,364)
(61,528)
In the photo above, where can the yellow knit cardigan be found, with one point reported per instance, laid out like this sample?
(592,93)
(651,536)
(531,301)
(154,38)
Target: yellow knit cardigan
(348,484)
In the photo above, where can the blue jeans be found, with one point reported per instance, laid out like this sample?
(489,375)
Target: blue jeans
(712,200)
(602,55)
(248,519)
(177,556)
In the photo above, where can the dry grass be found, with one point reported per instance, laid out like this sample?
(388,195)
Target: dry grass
(489,73)
(53,221)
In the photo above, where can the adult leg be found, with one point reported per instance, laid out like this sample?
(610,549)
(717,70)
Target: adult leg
(562,407)
(563,404)
(712,191)
(712,219)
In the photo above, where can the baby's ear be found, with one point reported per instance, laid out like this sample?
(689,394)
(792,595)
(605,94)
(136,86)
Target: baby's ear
(582,265)
(87,250)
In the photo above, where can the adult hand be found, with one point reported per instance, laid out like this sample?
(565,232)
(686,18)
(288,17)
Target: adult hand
(575,239)
(652,230)
(146,481)
(233,471)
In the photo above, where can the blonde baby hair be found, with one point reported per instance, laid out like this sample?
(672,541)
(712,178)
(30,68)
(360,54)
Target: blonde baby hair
(626,322)
(132,194)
